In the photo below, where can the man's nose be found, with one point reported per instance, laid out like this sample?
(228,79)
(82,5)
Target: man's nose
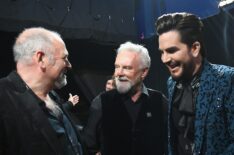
(119,72)
(68,64)
(165,58)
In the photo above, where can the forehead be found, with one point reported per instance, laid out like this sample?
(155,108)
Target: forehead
(169,39)
(60,48)
(127,58)
(109,81)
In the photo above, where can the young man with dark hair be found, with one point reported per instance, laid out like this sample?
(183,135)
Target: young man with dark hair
(201,94)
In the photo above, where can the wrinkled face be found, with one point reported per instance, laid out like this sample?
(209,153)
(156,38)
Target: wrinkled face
(59,65)
(109,84)
(176,55)
(128,75)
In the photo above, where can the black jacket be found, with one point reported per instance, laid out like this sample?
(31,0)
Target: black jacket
(24,127)
(119,136)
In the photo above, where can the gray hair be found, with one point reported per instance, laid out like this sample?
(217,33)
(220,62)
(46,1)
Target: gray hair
(32,40)
(141,50)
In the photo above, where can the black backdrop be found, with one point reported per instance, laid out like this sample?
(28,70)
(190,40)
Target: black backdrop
(94,60)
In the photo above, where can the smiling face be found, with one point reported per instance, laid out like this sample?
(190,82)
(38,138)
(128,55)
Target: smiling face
(59,65)
(128,74)
(178,57)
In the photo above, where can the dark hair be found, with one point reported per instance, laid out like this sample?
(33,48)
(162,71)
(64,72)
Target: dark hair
(111,77)
(188,25)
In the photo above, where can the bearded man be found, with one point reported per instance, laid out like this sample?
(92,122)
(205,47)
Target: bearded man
(132,116)
(32,120)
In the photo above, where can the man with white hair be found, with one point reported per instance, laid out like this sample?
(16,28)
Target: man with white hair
(131,116)
(32,120)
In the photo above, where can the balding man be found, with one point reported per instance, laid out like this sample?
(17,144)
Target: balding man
(32,120)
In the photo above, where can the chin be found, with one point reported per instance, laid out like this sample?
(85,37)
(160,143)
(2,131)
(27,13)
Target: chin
(123,89)
(60,83)
(176,77)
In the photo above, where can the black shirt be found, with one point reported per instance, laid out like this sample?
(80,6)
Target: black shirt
(133,108)
(183,116)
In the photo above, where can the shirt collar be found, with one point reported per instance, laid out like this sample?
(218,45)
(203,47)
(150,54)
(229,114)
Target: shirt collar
(144,90)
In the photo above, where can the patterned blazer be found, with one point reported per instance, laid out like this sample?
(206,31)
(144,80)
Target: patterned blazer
(214,120)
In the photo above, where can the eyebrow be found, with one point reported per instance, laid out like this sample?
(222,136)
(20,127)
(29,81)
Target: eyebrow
(173,48)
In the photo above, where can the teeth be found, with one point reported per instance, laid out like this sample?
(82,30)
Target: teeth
(173,65)
(123,79)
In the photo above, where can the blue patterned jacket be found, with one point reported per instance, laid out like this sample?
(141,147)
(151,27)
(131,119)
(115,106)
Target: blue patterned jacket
(214,120)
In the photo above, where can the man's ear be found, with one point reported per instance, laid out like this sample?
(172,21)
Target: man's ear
(196,48)
(40,57)
(145,72)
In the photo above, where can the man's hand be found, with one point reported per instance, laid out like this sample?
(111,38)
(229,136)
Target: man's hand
(73,99)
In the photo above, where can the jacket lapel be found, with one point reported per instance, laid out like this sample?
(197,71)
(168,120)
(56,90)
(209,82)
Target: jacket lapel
(207,83)
(30,105)
(171,87)
(59,101)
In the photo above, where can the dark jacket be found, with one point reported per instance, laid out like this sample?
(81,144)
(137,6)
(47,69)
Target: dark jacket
(214,121)
(24,127)
(122,136)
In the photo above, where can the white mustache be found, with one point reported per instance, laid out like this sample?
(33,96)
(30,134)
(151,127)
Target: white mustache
(122,78)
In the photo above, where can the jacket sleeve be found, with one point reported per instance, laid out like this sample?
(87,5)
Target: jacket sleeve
(91,134)
(1,137)
(229,103)
(164,110)
(67,105)
(2,128)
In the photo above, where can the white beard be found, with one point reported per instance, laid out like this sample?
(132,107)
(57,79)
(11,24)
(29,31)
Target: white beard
(126,85)
(61,81)
(123,87)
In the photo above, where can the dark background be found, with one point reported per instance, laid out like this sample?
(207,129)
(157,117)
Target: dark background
(93,30)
